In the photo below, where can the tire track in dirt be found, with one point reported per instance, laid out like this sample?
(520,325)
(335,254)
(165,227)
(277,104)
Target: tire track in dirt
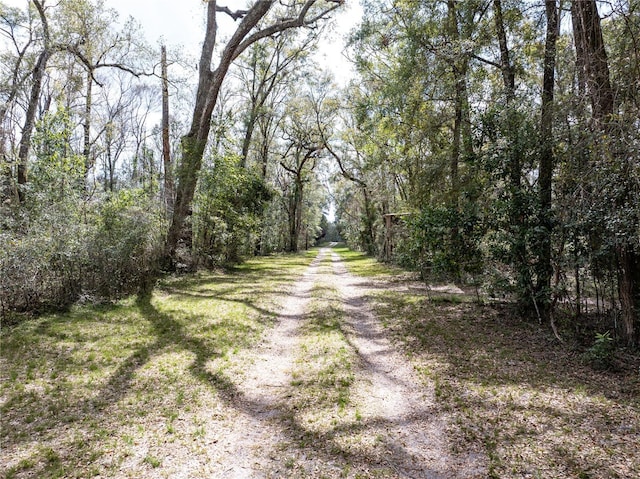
(399,432)
(249,443)
(401,410)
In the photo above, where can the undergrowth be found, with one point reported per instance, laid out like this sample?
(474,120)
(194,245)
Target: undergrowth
(531,405)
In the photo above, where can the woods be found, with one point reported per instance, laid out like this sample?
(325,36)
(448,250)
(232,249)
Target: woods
(267,256)
(489,143)
(499,127)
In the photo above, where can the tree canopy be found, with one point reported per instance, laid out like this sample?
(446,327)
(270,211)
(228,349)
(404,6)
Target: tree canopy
(493,143)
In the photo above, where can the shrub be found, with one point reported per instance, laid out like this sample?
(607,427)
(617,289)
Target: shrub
(600,355)
(228,209)
(443,244)
(73,249)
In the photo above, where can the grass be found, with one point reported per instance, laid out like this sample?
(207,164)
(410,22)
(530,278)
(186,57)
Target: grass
(325,421)
(325,365)
(530,404)
(100,390)
(323,372)
(366,266)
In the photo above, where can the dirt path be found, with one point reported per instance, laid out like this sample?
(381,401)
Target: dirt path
(398,432)
(271,373)
(263,392)
(395,399)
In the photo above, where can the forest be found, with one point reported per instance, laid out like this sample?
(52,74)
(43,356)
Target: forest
(494,144)
(235,264)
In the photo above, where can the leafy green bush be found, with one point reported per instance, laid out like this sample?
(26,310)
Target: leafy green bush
(227,212)
(41,267)
(600,355)
(443,244)
(126,244)
(72,250)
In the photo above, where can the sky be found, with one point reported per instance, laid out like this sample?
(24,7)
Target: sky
(180,23)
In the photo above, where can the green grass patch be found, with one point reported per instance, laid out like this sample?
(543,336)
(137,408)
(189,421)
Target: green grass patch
(106,388)
(320,393)
(366,266)
(324,371)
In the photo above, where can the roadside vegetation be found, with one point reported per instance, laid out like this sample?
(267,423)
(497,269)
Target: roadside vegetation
(534,406)
(137,385)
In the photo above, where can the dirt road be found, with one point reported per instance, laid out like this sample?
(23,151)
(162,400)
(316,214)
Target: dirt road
(388,425)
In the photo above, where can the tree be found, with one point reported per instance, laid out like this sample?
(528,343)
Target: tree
(166,138)
(67,37)
(34,97)
(210,81)
(593,72)
(19,32)
(265,72)
(544,267)
(344,142)
(98,47)
(303,144)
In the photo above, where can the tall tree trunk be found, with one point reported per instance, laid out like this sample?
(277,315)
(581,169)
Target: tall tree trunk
(264,156)
(298,215)
(462,145)
(544,269)
(580,45)
(589,40)
(508,73)
(452,19)
(30,120)
(593,56)
(86,127)
(246,142)
(166,145)
(628,290)
(194,143)
(517,223)
(295,214)
(36,87)
(462,142)
(368,239)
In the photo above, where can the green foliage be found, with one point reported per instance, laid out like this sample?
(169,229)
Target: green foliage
(515,220)
(61,246)
(57,174)
(324,229)
(124,250)
(443,243)
(228,208)
(76,249)
(601,354)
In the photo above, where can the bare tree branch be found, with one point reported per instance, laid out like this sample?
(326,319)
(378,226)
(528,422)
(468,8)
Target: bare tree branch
(92,67)
(235,15)
(300,21)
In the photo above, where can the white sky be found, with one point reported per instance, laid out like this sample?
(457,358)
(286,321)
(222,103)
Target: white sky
(180,23)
